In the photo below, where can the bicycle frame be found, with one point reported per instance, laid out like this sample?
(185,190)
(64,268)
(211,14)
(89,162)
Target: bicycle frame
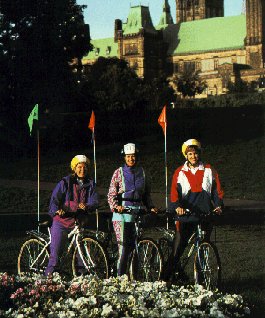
(73,236)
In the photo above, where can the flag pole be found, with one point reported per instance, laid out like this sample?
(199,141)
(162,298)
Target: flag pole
(91,126)
(166,171)
(34,115)
(162,120)
(95,168)
(38,141)
(95,162)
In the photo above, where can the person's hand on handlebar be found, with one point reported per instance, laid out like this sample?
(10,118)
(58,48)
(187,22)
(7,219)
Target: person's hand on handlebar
(154,210)
(180,211)
(81,206)
(119,208)
(60,212)
(218,210)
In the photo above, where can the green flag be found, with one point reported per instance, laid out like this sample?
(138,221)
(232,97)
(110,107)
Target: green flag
(33,115)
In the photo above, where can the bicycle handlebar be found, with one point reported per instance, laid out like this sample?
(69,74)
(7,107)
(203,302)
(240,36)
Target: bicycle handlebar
(190,216)
(132,211)
(74,214)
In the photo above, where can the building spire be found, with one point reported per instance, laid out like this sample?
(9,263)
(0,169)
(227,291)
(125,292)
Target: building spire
(166,17)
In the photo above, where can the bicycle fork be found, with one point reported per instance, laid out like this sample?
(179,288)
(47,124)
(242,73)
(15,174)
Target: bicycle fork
(88,262)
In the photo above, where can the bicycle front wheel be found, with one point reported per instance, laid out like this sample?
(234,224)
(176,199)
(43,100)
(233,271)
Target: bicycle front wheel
(207,266)
(146,262)
(33,257)
(90,258)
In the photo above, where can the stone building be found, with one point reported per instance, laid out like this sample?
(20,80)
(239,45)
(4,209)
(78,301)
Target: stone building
(221,49)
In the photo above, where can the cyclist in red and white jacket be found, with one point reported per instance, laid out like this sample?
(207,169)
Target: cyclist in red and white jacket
(195,187)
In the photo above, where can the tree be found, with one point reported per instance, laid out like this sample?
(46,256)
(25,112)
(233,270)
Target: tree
(38,41)
(159,92)
(189,83)
(239,86)
(112,85)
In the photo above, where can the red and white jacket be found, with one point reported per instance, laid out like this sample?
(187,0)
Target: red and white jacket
(198,190)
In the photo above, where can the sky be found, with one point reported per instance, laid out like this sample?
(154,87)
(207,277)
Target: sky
(101,14)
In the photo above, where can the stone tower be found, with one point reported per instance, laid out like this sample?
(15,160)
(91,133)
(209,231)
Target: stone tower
(189,10)
(255,39)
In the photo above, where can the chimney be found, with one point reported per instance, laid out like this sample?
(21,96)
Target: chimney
(118,28)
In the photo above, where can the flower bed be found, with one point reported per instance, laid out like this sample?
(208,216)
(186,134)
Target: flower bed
(38,296)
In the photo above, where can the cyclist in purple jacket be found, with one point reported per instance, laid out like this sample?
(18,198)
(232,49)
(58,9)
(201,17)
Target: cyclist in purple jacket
(130,185)
(73,193)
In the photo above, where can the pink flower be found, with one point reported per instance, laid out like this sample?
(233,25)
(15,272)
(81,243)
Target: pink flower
(44,288)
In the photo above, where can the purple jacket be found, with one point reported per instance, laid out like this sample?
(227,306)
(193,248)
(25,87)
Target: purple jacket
(68,194)
(131,186)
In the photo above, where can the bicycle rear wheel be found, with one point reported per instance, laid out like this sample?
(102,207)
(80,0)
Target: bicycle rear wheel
(165,248)
(33,257)
(146,265)
(207,266)
(94,259)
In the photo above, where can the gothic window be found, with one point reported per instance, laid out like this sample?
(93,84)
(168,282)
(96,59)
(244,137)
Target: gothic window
(134,65)
(131,49)
(108,49)
(198,65)
(234,59)
(189,66)
(216,63)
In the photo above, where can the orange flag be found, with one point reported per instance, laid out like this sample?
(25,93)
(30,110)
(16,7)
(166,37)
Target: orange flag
(162,120)
(92,121)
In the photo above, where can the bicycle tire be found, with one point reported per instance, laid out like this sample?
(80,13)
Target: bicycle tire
(29,258)
(165,246)
(207,266)
(95,259)
(146,266)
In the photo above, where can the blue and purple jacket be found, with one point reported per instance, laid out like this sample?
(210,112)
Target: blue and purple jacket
(68,194)
(129,184)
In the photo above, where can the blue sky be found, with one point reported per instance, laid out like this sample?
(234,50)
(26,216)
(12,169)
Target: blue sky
(100,14)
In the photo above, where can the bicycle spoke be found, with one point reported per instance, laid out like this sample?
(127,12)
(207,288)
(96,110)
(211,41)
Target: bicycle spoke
(146,265)
(91,257)
(33,257)
(207,268)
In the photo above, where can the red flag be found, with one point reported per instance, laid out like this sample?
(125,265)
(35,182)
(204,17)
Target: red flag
(162,120)
(92,121)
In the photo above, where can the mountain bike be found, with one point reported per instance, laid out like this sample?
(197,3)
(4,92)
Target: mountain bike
(146,258)
(34,252)
(206,259)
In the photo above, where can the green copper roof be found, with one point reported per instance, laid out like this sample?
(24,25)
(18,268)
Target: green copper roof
(138,18)
(102,47)
(207,35)
(213,34)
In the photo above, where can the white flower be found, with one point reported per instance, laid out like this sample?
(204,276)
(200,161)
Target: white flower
(247,311)
(107,310)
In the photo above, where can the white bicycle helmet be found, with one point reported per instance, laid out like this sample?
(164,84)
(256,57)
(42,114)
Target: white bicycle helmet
(129,149)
